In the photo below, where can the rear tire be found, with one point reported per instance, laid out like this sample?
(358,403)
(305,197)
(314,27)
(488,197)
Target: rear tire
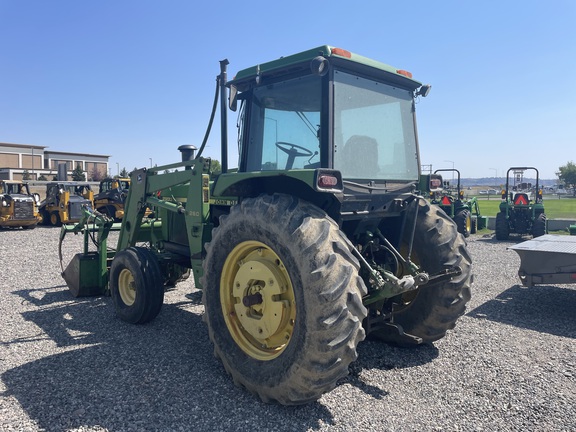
(283,299)
(539,227)
(502,229)
(430,311)
(463,222)
(136,285)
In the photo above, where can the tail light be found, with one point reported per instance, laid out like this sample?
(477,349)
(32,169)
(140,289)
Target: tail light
(329,180)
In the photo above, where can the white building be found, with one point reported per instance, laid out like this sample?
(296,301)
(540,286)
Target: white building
(15,159)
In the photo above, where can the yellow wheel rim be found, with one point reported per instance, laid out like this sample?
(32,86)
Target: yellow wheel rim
(127,287)
(257,300)
(468,224)
(53,219)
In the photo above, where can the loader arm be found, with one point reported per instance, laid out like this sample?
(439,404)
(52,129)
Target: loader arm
(150,188)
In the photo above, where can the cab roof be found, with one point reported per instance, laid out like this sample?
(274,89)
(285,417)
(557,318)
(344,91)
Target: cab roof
(302,60)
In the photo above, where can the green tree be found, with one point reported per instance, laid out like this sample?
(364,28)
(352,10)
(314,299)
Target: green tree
(25,175)
(215,166)
(567,174)
(124,173)
(78,174)
(42,178)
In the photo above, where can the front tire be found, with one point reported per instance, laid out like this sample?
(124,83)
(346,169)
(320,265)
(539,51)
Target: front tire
(502,228)
(55,219)
(463,222)
(136,285)
(283,299)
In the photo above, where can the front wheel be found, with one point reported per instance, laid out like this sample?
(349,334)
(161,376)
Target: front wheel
(136,285)
(283,299)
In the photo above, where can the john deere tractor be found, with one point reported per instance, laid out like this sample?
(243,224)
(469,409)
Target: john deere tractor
(464,211)
(320,237)
(522,208)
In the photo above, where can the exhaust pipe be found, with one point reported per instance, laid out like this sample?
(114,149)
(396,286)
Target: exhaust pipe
(187,151)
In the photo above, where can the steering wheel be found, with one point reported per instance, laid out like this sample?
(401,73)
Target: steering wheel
(292,151)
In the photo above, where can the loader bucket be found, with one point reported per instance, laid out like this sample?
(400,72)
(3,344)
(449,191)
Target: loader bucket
(83,275)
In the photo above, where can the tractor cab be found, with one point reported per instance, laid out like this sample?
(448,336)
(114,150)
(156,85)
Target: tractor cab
(328,114)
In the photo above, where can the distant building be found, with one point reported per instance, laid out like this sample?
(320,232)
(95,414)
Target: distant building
(15,159)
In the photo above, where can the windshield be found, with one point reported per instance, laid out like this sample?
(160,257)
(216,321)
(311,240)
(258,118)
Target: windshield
(374,136)
(285,125)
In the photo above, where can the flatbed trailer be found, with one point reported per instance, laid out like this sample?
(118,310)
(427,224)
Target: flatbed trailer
(548,259)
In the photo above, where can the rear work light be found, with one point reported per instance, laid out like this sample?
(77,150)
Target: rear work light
(435,183)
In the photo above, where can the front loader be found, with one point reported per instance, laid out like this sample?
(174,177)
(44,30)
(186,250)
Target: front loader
(320,237)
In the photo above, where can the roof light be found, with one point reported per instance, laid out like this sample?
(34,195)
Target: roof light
(404,72)
(341,52)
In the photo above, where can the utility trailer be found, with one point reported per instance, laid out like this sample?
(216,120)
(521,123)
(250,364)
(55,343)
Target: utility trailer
(548,259)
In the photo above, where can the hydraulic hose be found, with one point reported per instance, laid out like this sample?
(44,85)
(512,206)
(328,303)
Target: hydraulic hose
(214,106)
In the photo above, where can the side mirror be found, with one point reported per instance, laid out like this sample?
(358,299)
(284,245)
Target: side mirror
(233,98)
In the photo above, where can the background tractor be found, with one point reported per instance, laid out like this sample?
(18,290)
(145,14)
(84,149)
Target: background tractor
(522,208)
(18,207)
(319,237)
(111,197)
(64,201)
(464,211)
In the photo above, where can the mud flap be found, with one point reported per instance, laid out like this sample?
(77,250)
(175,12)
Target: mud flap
(82,275)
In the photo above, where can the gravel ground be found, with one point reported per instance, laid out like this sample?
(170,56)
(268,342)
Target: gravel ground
(70,365)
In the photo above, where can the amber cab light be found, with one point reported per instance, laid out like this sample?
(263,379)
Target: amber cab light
(405,73)
(341,52)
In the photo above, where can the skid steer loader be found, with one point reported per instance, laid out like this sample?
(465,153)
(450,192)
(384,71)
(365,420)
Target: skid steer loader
(320,237)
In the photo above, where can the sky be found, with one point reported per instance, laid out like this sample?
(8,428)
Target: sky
(135,79)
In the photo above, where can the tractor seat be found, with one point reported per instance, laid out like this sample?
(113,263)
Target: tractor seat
(361,156)
(521,199)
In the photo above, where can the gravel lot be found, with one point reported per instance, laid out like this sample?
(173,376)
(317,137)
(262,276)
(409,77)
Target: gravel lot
(67,364)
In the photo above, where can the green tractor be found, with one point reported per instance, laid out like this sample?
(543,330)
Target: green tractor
(319,237)
(464,211)
(522,209)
